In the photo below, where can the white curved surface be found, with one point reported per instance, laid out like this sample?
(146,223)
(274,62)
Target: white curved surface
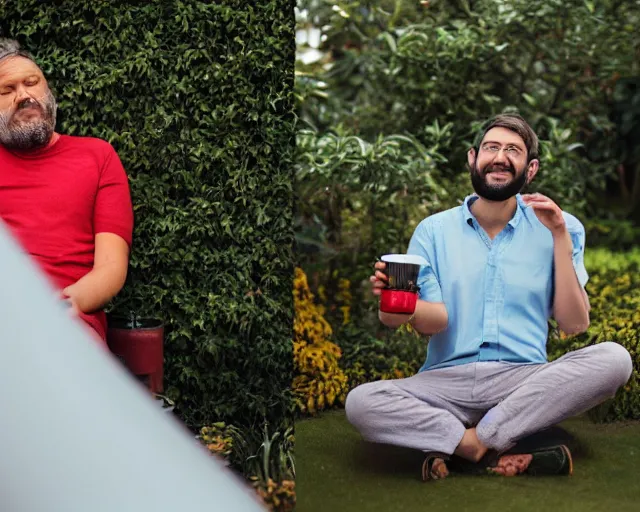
(404,258)
(77,434)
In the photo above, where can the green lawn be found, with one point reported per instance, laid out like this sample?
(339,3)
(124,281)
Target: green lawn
(336,471)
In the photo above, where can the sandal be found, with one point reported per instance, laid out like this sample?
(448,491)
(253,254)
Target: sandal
(428,472)
(553,460)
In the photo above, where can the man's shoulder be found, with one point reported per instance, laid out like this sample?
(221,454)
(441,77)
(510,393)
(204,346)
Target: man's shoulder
(441,219)
(573,223)
(91,150)
(89,143)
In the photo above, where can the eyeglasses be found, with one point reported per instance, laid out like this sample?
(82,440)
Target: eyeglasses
(510,149)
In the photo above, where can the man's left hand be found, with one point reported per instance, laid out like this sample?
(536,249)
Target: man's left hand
(548,212)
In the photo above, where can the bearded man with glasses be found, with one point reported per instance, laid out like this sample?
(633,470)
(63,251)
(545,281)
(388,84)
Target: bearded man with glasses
(499,266)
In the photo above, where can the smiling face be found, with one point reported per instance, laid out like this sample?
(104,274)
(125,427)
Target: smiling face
(501,167)
(27,105)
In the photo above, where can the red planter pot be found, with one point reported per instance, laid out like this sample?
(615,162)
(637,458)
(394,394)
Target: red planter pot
(140,347)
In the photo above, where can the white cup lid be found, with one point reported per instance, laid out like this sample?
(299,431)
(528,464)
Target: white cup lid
(404,258)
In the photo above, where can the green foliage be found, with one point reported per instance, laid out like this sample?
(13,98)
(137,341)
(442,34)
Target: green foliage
(393,355)
(626,118)
(273,471)
(226,442)
(615,234)
(197,99)
(274,460)
(456,63)
(602,260)
(357,197)
(614,293)
(428,74)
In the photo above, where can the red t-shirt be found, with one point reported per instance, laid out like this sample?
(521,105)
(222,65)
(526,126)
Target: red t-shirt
(56,200)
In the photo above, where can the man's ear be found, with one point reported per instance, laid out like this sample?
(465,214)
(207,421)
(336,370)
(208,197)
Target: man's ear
(471,157)
(532,169)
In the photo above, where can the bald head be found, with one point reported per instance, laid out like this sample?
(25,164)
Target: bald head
(27,105)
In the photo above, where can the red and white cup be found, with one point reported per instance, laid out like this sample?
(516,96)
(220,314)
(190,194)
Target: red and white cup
(400,296)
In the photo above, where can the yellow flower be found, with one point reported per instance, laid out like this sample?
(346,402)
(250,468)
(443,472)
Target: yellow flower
(318,380)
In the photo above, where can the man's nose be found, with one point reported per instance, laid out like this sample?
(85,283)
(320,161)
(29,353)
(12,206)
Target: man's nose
(21,95)
(501,157)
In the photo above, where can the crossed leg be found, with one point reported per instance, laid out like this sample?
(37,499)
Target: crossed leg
(435,410)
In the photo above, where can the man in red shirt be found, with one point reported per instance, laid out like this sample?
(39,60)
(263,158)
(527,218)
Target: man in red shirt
(66,199)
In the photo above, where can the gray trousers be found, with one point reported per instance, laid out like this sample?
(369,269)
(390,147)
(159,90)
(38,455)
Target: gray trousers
(431,410)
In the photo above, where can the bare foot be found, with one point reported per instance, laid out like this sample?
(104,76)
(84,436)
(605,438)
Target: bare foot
(439,470)
(512,465)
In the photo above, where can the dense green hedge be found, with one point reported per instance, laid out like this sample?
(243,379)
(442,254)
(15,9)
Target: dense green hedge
(196,97)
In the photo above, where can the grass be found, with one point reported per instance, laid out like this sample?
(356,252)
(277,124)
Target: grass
(337,471)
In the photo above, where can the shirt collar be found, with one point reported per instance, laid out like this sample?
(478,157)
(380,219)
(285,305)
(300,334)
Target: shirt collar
(515,220)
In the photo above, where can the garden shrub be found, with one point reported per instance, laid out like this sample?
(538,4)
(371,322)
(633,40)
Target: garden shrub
(270,469)
(613,234)
(318,381)
(387,354)
(273,471)
(326,370)
(366,358)
(196,97)
(224,441)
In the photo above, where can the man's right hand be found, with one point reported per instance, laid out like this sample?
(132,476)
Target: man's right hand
(432,317)
(379,278)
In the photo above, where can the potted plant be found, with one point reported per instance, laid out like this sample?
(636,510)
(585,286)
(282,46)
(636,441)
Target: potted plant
(139,344)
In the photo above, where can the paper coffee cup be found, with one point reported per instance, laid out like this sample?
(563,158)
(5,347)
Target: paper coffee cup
(401,293)
(402,270)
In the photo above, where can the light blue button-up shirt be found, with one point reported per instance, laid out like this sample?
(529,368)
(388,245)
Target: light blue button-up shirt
(498,293)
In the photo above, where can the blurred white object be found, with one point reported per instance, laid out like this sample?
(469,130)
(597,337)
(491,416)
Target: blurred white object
(77,433)
(413,259)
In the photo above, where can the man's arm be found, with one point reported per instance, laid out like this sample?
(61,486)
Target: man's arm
(429,318)
(570,301)
(113,225)
(94,290)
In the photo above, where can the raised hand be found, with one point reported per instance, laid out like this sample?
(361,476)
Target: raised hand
(548,212)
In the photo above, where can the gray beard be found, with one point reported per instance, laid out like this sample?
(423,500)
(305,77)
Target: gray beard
(32,135)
